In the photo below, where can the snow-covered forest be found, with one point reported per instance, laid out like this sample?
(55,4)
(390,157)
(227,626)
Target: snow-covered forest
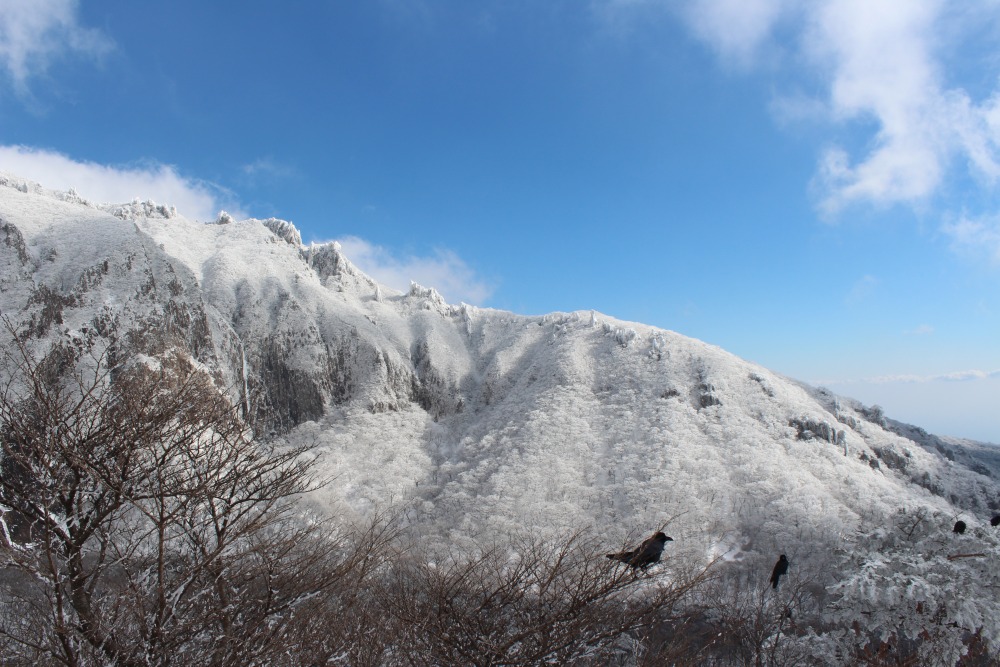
(222,446)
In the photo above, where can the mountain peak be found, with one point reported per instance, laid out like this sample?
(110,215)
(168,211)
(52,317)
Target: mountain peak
(474,418)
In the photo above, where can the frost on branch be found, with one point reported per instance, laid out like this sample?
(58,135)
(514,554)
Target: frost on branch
(17,184)
(224,219)
(622,336)
(137,209)
(915,584)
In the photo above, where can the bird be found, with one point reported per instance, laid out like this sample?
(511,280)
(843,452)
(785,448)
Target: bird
(995,521)
(959,527)
(645,554)
(780,568)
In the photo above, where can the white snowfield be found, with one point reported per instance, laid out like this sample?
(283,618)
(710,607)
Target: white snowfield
(472,420)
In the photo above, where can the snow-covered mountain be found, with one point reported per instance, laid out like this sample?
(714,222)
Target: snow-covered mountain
(474,419)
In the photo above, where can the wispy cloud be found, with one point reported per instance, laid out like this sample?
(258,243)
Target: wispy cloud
(862,289)
(881,64)
(266,167)
(920,330)
(194,199)
(976,237)
(444,271)
(34,33)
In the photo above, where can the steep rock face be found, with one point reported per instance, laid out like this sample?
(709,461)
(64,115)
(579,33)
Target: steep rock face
(13,239)
(473,419)
(92,275)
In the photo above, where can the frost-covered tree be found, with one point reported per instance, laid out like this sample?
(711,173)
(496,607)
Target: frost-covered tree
(915,590)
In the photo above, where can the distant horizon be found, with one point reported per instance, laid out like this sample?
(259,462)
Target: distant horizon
(812,188)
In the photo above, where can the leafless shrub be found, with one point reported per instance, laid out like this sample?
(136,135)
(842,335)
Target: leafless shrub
(527,602)
(142,524)
(744,621)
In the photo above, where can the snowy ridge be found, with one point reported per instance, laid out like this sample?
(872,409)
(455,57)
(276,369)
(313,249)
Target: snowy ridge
(475,419)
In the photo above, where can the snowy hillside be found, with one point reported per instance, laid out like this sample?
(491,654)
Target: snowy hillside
(471,419)
(472,426)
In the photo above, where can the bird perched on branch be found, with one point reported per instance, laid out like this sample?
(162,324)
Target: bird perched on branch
(645,554)
(959,527)
(995,521)
(780,568)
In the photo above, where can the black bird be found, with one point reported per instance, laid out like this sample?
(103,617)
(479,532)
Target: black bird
(995,521)
(780,568)
(959,527)
(645,554)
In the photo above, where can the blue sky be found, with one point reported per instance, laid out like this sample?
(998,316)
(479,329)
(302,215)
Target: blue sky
(811,186)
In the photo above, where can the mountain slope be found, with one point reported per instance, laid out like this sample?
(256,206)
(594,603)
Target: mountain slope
(475,420)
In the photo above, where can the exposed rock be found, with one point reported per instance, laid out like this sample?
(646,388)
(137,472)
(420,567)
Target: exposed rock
(51,309)
(13,239)
(327,260)
(807,429)
(892,458)
(284,230)
(706,396)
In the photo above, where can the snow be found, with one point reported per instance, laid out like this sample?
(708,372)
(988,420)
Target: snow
(471,421)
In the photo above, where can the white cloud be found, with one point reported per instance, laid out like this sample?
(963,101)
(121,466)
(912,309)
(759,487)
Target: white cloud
(879,64)
(33,33)
(444,271)
(956,376)
(197,200)
(735,28)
